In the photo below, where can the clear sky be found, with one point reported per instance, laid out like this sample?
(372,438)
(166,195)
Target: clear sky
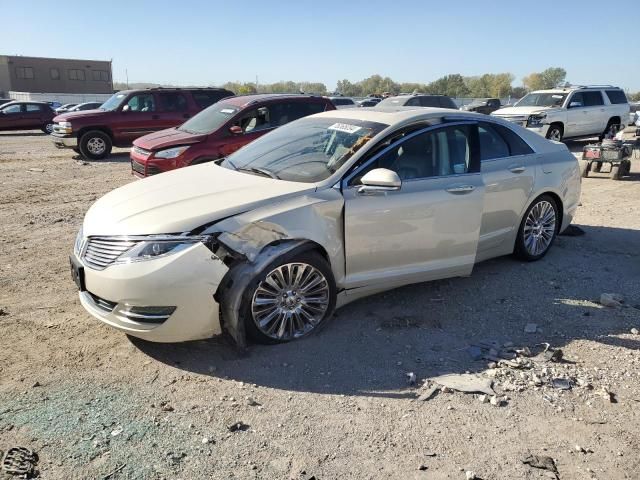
(211,42)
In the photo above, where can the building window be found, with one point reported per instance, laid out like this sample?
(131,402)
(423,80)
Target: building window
(75,74)
(55,74)
(24,73)
(100,76)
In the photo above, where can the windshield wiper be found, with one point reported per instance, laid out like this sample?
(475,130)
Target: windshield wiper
(259,171)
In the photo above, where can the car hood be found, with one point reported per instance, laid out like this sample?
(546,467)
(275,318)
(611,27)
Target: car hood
(167,138)
(83,114)
(184,199)
(512,111)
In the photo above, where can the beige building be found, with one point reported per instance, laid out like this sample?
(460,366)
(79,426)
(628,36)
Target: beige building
(54,75)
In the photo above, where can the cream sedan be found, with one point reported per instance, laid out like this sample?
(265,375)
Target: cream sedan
(327,209)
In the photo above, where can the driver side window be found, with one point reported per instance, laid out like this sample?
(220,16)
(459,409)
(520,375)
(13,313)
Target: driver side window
(436,153)
(255,120)
(142,103)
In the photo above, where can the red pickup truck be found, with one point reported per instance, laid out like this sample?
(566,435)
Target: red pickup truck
(130,114)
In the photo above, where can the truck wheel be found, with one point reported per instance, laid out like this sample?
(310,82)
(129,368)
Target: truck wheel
(610,124)
(555,132)
(615,173)
(597,166)
(626,165)
(95,145)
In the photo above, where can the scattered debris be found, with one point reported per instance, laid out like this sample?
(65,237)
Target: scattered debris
(471,475)
(465,382)
(3,312)
(634,330)
(561,383)
(175,458)
(411,377)
(483,398)
(166,407)
(113,472)
(37,170)
(552,354)
(252,403)
(423,467)
(117,431)
(542,461)
(205,440)
(20,461)
(607,394)
(238,427)
(36,384)
(530,328)
(498,401)
(429,393)
(611,300)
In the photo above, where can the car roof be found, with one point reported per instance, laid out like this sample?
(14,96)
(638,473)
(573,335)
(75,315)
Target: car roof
(19,102)
(394,115)
(245,100)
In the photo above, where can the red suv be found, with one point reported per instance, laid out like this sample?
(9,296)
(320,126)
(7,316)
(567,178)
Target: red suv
(26,116)
(129,114)
(220,130)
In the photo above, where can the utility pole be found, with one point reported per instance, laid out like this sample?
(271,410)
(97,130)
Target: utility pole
(256,83)
(126,73)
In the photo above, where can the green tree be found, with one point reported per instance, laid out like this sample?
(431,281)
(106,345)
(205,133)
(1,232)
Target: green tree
(518,92)
(549,78)
(451,85)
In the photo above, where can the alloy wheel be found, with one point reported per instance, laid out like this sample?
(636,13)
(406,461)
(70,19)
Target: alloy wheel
(291,301)
(96,146)
(539,228)
(49,127)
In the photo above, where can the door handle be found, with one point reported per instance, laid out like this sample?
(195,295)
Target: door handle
(517,168)
(461,189)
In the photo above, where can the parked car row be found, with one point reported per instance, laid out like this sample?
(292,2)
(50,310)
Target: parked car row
(267,241)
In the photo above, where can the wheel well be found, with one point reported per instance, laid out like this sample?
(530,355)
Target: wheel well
(559,124)
(614,121)
(310,245)
(84,130)
(558,201)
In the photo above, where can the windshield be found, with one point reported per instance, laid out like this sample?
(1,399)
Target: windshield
(114,102)
(210,119)
(307,150)
(542,100)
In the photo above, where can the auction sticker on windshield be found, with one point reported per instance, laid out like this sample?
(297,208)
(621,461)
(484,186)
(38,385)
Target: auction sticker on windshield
(227,110)
(344,127)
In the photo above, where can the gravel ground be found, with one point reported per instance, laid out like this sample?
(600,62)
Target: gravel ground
(96,404)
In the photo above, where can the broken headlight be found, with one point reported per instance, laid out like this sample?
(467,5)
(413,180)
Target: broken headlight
(160,246)
(536,120)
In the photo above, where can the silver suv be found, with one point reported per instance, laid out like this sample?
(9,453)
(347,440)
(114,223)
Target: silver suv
(570,112)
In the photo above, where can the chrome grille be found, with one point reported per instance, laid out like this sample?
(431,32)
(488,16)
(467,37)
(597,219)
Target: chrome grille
(137,167)
(100,252)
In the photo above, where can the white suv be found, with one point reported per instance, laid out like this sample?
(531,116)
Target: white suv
(569,112)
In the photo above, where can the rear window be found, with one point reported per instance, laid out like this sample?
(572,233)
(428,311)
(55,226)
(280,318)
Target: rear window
(446,102)
(204,99)
(616,96)
(497,141)
(342,101)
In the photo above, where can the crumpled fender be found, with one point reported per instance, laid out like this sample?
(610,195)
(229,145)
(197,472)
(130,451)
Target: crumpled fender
(232,288)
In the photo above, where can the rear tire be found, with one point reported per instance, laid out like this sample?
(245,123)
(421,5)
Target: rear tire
(555,132)
(95,145)
(610,124)
(627,167)
(538,229)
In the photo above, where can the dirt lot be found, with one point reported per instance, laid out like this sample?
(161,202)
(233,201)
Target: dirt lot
(96,404)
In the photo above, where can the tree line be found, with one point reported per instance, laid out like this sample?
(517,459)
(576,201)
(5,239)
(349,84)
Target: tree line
(489,85)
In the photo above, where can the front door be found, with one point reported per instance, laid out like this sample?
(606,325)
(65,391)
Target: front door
(427,229)
(12,117)
(138,116)
(578,116)
(250,125)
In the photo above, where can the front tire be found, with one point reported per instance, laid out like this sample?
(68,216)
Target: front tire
(95,145)
(538,229)
(290,299)
(555,132)
(47,128)
(616,172)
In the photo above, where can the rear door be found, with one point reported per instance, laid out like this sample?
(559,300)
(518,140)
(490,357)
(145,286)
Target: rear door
(508,170)
(427,229)
(173,109)
(34,115)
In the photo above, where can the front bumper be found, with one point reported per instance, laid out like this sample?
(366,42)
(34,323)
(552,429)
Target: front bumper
(541,130)
(64,141)
(186,280)
(144,165)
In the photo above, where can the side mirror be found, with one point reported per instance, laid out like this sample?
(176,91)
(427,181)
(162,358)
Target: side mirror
(575,104)
(379,180)
(235,129)
(126,108)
